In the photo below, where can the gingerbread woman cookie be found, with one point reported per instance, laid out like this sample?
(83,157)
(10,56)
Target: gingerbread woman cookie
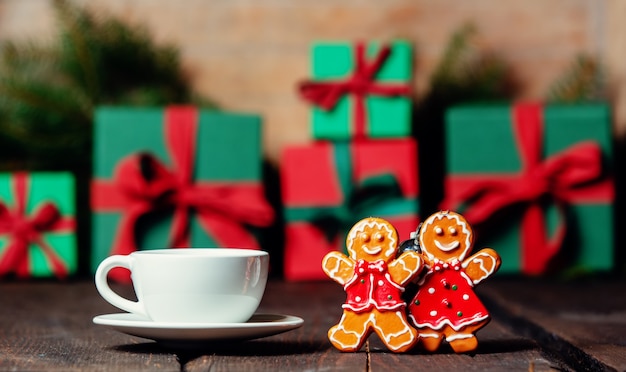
(374,282)
(445,306)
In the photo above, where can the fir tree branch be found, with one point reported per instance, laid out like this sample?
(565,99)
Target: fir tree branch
(76,27)
(582,81)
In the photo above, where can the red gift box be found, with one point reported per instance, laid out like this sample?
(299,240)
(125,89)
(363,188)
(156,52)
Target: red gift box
(340,184)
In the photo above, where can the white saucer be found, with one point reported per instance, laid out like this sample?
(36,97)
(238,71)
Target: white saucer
(260,325)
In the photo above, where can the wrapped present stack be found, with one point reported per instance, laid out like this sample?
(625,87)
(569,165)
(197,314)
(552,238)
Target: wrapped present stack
(175,177)
(37,225)
(536,181)
(362,161)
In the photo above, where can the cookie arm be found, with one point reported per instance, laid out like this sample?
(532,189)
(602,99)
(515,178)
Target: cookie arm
(338,267)
(405,267)
(482,265)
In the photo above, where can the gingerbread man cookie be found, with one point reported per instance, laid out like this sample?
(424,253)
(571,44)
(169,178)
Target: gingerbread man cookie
(445,306)
(374,282)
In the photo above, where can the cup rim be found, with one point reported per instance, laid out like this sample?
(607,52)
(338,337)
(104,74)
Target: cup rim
(202,252)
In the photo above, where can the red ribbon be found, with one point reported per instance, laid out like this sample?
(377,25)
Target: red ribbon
(326,94)
(574,174)
(27,230)
(141,185)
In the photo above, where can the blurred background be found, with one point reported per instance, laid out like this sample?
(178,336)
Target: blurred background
(62,59)
(249,55)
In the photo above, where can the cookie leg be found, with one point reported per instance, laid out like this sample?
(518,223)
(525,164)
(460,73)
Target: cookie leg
(464,341)
(394,330)
(430,340)
(350,333)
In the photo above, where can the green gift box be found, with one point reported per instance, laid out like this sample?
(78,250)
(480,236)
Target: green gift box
(360,90)
(175,177)
(536,181)
(37,225)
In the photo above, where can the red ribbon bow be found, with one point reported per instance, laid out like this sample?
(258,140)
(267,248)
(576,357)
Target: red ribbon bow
(572,174)
(26,230)
(326,94)
(142,185)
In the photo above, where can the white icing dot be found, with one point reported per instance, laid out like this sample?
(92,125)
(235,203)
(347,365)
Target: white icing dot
(437,268)
(445,265)
(433,313)
(466,297)
(358,298)
(381,269)
(431,290)
(361,270)
(381,283)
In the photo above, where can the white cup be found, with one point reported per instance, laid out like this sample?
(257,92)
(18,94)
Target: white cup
(190,285)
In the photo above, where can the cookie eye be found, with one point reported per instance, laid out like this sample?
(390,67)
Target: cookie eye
(379,237)
(438,230)
(452,231)
(365,237)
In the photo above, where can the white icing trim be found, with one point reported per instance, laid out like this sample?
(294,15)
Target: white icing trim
(448,322)
(370,295)
(411,270)
(387,337)
(372,322)
(432,335)
(459,336)
(374,251)
(447,247)
(398,286)
(467,278)
(361,225)
(440,216)
(340,327)
(479,258)
(335,269)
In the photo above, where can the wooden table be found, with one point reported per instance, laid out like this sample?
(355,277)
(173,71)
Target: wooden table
(538,325)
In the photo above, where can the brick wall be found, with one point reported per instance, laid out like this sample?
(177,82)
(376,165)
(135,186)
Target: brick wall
(248,55)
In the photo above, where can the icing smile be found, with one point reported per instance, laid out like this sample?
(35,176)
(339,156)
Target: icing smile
(447,247)
(373,251)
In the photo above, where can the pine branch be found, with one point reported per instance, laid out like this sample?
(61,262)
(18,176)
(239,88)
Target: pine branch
(455,52)
(48,91)
(77,48)
(466,72)
(582,81)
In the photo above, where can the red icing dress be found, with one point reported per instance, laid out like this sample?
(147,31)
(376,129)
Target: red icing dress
(446,296)
(371,287)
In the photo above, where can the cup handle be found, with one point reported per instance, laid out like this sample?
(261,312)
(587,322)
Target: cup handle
(107,293)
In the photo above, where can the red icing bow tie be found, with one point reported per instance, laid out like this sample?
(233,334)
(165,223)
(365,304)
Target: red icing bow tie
(443,265)
(366,267)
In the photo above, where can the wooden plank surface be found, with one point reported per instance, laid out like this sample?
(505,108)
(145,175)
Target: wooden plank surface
(537,326)
(583,322)
(499,350)
(306,348)
(47,326)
